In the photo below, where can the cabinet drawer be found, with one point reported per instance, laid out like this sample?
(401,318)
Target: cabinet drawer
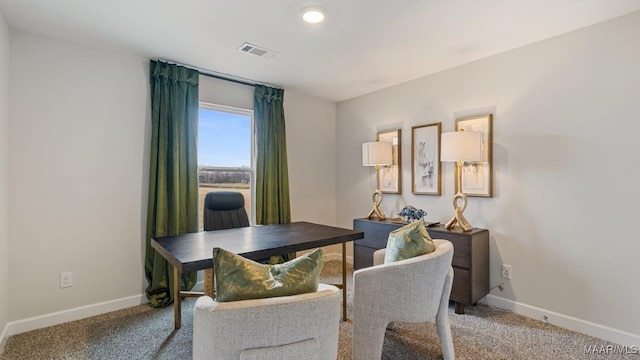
(376,234)
(460,292)
(461,247)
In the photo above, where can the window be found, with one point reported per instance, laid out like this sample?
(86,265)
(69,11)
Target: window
(225,160)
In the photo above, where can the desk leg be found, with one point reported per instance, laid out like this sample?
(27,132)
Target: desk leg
(208,282)
(177,311)
(344,281)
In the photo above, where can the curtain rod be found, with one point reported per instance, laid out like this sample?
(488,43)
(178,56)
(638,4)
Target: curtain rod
(222,76)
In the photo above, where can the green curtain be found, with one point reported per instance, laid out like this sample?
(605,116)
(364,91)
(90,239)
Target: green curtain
(173,175)
(272,177)
(272,174)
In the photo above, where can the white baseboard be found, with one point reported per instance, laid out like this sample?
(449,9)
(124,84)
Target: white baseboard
(565,321)
(3,338)
(60,317)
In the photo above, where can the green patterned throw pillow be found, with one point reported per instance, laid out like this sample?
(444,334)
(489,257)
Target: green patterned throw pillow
(238,278)
(407,242)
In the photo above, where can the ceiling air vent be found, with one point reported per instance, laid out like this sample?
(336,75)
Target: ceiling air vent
(257,50)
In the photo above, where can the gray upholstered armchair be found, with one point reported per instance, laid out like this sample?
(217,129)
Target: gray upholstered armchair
(411,290)
(290,327)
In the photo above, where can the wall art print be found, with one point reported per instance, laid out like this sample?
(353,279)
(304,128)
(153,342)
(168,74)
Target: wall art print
(390,176)
(477,179)
(426,168)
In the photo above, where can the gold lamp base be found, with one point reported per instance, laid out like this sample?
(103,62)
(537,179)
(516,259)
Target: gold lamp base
(376,211)
(458,218)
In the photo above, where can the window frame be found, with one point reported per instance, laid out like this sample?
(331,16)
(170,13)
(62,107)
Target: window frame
(249,113)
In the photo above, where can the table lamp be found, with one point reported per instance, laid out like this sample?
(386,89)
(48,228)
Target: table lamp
(460,147)
(377,153)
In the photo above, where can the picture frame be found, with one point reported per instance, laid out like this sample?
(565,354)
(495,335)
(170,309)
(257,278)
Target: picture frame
(477,177)
(390,176)
(426,168)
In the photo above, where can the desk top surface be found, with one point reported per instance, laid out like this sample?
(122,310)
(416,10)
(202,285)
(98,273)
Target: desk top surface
(189,252)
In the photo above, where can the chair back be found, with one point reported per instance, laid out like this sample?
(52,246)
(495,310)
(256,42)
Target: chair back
(417,283)
(224,210)
(296,327)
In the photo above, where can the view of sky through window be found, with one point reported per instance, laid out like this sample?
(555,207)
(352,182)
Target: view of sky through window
(224,139)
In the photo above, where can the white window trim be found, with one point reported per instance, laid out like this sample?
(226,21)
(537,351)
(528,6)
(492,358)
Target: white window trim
(246,112)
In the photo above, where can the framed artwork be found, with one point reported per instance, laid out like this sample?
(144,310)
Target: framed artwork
(426,168)
(390,176)
(477,179)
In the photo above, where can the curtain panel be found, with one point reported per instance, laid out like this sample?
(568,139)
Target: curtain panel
(173,175)
(272,177)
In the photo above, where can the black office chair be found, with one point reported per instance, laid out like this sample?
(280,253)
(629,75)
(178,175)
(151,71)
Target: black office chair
(224,210)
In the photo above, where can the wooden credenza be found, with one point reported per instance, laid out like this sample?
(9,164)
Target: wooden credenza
(470,256)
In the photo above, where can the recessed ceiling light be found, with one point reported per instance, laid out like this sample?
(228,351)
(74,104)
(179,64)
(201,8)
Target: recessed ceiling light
(313,15)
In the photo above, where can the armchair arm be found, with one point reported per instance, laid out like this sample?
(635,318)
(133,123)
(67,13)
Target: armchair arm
(378,256)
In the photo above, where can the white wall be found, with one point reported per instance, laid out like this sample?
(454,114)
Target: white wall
(311,154)
(4,177)
(79,136)
(220,92)
(565,153)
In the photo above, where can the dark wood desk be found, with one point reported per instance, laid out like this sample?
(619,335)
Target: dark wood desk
(191,252)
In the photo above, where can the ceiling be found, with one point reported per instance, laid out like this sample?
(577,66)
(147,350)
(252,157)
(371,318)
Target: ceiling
(363,46)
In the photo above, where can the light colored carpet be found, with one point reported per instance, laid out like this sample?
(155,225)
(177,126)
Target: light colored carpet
(144,333)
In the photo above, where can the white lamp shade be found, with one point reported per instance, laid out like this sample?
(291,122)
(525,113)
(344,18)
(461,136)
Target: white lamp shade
(377,153)
(461,146)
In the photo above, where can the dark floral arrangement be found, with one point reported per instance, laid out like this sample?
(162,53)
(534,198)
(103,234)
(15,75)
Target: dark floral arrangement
(411,214)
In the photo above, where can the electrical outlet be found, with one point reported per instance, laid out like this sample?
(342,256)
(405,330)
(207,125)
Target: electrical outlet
(66,280)
(506,271)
